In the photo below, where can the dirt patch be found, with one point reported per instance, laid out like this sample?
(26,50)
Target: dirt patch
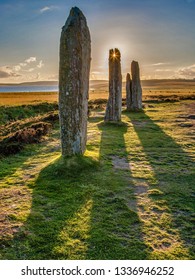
(120,163)
(140,190)
(92,135)
(11,200)
(139,123)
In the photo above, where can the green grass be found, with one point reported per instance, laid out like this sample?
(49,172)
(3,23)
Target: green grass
(12,113)
(131,196)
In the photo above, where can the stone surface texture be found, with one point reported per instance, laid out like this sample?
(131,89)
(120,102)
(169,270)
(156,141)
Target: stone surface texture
(136,87)
(128,92)
(74,68)
(114,105)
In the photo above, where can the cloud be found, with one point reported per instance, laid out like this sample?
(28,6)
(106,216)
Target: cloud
(159,63)
(21,68)
(38,76)
(17,68)
(186,72)
(30,70)
(4,74)
(163,70)
(7,72)
(46,9)
(22,64)
(96,75)
(40,65)
(31,59)
(53,77)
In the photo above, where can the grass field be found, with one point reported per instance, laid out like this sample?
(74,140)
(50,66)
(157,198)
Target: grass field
(152,90)
(131,196)
(23,98)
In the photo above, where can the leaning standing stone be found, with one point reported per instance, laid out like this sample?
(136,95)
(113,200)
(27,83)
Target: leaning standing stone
(128,92)
(136,87)
(75,57)
(113,109)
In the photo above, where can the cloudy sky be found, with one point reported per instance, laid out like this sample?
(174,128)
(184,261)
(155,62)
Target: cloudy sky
(159,34)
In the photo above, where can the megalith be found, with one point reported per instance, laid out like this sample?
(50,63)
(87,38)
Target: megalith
(114,104)
(136,87)
(128,92)
(74,68)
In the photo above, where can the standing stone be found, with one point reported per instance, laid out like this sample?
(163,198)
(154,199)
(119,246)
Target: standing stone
(128,92)
(75,57)
(136,87)
(113,110)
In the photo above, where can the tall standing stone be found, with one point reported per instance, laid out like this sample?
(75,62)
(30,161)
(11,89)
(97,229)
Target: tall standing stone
(113,109)
(128,92)
(75,57)
(136,87)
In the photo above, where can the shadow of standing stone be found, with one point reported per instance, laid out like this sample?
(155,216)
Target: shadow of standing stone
(75,57)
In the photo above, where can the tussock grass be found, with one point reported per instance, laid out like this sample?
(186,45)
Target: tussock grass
(22,125)
(14,113)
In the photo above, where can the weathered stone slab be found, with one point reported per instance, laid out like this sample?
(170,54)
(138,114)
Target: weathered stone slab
(113,109)
(75,57)
(136,87)
(128,92)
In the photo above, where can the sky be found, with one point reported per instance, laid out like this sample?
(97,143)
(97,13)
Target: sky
(159,34)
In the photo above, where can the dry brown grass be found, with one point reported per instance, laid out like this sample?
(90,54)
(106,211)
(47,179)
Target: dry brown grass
(99,89)
(21,98)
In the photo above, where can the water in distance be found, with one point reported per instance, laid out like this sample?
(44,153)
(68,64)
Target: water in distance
(28,88)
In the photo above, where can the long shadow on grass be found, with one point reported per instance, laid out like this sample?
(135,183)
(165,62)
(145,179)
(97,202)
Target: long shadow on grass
(58,223)
(174,171)
(116,230)
(83,209)
(10,164)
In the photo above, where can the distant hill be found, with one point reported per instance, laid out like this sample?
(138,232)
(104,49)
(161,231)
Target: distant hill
(167,83)
(48,83)
(102,83)
(155,83)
